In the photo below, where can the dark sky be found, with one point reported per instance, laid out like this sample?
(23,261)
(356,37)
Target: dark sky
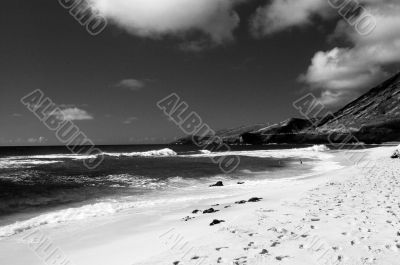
(246,81)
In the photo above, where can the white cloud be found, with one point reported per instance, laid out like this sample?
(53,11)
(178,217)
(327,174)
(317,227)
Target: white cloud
(130,120)
(352,70)
(71,114)
(280,15)
(155,18)
(342,72)
(342,68)
(131,84)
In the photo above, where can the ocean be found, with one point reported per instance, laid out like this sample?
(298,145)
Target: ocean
(47,185)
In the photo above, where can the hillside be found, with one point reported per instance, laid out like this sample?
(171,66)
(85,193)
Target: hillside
(372,118)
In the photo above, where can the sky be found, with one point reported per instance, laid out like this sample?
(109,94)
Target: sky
(235,62)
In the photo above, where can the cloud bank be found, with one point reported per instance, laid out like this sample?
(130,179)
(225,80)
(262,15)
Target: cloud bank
(345,72)
(338,74)
(155,18)
(281,15)
(341,73)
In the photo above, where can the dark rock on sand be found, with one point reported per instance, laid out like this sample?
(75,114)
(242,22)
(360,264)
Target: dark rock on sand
(241,202)
(211,210)
(215,222)
(218,184)
(195,211)
(274,244)
(281,257)
(255,199)
(240,183)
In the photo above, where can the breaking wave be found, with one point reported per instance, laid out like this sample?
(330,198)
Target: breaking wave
(154,153)
(316,151)
(24,163)
(90,211)
(316,148)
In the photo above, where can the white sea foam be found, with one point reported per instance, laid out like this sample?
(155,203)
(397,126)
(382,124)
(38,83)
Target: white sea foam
(153,153)
(317,148)
(166,152)
(18,163)
(90,211)
(72,214)
(316,152)
(122,180)
(63,156)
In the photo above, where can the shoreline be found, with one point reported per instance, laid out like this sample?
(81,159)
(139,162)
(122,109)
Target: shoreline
(270,230)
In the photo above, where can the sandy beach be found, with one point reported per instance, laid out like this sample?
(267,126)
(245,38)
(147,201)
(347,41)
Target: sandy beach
(342,216)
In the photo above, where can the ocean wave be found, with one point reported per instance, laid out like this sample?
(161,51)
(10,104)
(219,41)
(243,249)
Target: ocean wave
(316,148)
(63,156)
(71,214)
(166,152)
(131,181)
(25,163)
(36,158)
(316,151)
(91,211)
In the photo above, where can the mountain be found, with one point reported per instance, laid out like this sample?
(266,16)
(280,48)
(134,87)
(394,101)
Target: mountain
(230,136)
(372,118)
(283,132)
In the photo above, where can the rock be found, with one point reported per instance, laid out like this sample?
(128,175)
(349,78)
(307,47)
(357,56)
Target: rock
(240,182)
(241,202)
(211,210)
(396,154)
(215,222)
(264,251)
(255,199)
(218,184)
(281,257)
(195,211)
(275,244)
